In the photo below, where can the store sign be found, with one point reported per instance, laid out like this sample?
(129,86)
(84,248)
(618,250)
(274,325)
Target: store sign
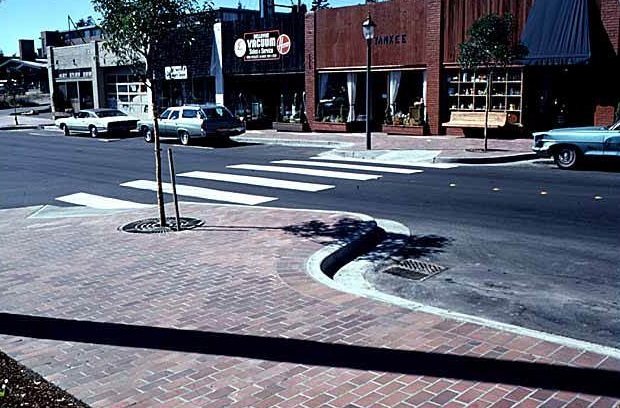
(175,72)
(74,74)
(262,46)
(391,39)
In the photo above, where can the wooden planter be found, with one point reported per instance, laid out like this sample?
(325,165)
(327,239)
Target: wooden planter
(289,127)
(404,130)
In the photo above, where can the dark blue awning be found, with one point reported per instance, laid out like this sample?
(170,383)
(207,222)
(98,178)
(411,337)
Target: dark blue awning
(557,32)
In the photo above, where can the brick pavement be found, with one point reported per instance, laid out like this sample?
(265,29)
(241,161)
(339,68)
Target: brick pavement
(240,275)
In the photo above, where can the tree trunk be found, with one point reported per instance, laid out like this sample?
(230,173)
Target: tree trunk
(487,107)
(157,147)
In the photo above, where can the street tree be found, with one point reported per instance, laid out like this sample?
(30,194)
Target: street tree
(143,34)
(490,45)
(319,5)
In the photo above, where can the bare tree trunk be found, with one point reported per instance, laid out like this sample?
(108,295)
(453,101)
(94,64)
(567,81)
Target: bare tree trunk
(157,147)
(487,107)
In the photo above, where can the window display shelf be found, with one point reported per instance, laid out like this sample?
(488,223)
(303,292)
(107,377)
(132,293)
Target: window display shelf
(466,91)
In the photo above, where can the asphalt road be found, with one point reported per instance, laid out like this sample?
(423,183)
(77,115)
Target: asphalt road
(525,243)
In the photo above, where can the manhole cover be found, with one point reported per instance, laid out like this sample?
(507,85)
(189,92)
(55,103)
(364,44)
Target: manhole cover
(414,269)
(152,225)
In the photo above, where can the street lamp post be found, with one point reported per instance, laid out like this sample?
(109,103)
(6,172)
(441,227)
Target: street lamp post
(368,29)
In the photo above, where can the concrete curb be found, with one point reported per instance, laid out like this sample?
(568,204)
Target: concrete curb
(21,127)
(291,142)
(488,160)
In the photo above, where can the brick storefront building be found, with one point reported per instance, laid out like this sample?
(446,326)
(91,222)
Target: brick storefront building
(414,56)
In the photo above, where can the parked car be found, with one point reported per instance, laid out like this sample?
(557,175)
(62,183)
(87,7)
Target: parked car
(569,146)
(192,122)
(97,121)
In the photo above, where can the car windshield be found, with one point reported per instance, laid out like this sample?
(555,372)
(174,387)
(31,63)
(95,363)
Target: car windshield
(110,113)
(615,126)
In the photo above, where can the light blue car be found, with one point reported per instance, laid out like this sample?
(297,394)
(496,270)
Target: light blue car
(569,146)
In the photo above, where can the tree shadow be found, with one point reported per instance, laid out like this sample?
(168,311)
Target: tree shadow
(341,232)
(527,374)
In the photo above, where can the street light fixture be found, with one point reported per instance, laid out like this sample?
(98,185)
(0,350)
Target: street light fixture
(368,29)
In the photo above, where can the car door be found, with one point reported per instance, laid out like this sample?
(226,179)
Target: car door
(190,121)
(162,122)
(80,122)
(170,124)
(612,141)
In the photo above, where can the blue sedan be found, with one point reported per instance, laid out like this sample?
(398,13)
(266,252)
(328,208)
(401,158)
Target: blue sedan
(569,146)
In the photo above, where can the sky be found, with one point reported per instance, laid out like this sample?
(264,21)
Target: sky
(25,19)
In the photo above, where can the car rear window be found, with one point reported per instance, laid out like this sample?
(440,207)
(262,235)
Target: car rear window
(110,113)
(217,112)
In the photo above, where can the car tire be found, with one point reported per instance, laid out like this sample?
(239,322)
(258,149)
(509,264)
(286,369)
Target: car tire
(147,134)
(65,129)
(92,130)
(566,157)
(184,138)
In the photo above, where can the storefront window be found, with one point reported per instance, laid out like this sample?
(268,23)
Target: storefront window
(405,103)
(333,105)
(291,107)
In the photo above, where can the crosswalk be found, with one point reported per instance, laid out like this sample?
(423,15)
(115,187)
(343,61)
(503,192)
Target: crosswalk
(192,184)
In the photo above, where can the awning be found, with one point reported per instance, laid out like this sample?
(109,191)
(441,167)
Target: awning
(557,32)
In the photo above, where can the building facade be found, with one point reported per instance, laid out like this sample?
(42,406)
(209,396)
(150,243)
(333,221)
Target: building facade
(416,82)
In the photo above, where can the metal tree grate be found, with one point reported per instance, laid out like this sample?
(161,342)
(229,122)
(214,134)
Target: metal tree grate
(414,269)
(152,225)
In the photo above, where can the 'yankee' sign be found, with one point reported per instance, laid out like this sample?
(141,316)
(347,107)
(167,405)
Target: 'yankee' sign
(262,46)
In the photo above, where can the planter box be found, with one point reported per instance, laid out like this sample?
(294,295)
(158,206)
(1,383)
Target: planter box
(404,130)
(347,127)
(289,127)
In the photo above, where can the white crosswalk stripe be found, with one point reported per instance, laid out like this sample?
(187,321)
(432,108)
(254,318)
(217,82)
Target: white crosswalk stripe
(391,162)
(200,192)
(307,172)
(348,166)
(257,181)
(100,202)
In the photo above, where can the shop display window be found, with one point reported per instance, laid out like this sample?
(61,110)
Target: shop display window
(467,91)
(333,105)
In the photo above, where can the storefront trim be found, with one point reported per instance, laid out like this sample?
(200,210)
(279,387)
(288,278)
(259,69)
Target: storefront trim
(385,68)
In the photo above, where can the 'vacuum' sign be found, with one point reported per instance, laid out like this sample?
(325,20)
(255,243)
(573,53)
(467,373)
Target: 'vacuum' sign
(262,45)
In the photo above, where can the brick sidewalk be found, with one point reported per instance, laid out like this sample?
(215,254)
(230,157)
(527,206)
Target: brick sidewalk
(201,296)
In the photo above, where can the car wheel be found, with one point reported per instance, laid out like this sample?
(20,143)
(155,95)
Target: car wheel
(93,131)
(147,134)
(566,157)
(184,137)
(65,129)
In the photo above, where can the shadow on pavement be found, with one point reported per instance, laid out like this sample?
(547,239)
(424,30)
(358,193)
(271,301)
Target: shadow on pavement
(537,375)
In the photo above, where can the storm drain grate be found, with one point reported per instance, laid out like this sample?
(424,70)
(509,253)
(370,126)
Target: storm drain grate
(414,269)
(152,225)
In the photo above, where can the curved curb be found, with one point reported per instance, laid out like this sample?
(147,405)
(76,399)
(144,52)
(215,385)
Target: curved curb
(354,283)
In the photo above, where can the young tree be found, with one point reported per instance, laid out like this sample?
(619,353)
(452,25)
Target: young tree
(143,33)
(490,45)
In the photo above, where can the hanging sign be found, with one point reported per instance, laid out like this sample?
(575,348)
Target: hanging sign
(176,72)
(262,46)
